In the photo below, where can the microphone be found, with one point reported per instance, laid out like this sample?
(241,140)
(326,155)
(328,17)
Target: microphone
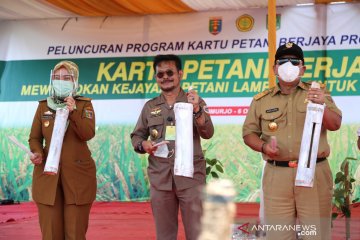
(169,118)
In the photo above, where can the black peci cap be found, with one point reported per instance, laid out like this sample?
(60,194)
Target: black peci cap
(289,48)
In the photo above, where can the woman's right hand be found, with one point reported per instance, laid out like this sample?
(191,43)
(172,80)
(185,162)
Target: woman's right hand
(36,159)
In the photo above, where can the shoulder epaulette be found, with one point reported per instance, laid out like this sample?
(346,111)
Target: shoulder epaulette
(154,100)
(83,98)
(263,93)
(308,84)
(322,85)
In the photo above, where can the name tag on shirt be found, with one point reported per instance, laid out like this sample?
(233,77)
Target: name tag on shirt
(170,133)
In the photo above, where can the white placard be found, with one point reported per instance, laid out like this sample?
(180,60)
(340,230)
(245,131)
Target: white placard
(309,143)
(53,158)
(184,143)
(20,145)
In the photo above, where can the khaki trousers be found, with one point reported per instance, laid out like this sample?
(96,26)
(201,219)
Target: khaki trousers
(306,209)
(165,208)
(63,221)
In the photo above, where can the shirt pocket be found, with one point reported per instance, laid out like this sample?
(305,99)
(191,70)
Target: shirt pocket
(278,117)
(47,125)
(301,108)
(156,128)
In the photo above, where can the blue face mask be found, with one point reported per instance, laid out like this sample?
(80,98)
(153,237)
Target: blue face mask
(62,88)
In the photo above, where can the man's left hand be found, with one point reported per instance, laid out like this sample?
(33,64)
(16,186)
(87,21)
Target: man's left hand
(316,95)
(193,98)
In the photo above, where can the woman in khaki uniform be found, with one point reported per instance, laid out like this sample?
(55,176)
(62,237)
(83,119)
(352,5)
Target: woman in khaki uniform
(64,200)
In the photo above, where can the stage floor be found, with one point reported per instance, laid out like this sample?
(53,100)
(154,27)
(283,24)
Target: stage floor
(127,221)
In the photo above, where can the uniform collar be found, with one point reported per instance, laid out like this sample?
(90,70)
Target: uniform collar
(180,98)
(303,85)
(277,89)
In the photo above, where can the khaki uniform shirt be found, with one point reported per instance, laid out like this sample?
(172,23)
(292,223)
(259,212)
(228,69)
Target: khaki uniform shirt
(157,115)
(77,170)
(288,112)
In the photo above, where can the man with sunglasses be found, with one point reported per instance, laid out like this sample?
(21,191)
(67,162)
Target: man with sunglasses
(168,191)
(274,127)
(64,199)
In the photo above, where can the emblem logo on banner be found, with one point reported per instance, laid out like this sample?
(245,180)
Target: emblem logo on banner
(245,23)
(278,21)
(215,24)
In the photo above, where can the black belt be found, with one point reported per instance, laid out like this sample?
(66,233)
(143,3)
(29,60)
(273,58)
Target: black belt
(290,163)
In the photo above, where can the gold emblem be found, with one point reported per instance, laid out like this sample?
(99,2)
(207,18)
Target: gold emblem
(273,126)
(289,45)
(154,133)
(245,23)
(46,123)
(155,111)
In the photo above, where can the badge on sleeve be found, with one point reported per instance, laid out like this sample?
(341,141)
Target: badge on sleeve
(89,113)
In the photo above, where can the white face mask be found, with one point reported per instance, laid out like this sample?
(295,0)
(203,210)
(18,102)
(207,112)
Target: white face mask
(288,72)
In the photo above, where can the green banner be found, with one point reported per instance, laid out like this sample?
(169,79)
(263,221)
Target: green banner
(2,66)
(212,75)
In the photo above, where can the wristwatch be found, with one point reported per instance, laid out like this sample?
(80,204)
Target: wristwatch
(140,147)
(198,113)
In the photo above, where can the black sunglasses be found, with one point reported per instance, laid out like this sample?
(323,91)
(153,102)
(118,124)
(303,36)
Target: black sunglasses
(294,61)
(169,73)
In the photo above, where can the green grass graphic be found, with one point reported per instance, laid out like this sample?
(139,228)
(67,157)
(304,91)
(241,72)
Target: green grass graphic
(121,172)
